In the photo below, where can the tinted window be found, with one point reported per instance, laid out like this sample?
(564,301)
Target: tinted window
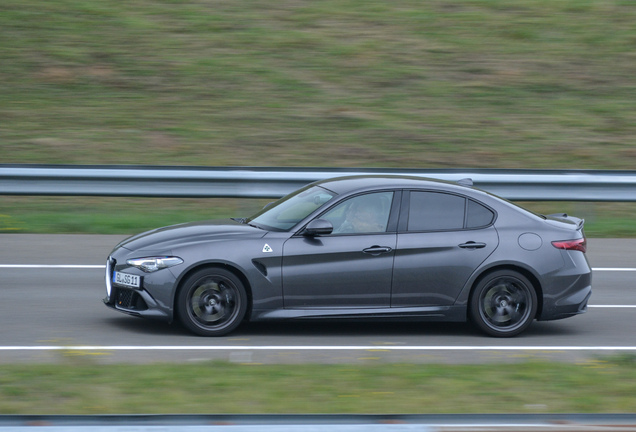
(433,211)
(361,214)
(477,215)
(288,211)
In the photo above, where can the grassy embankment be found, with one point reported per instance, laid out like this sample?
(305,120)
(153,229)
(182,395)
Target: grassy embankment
(472,84)
(531,387)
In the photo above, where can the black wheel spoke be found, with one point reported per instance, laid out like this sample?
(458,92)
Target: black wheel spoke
(212,302)
(500,316)
(505,304)
(515,315)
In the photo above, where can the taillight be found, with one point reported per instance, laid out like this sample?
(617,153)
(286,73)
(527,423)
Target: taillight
(576,245)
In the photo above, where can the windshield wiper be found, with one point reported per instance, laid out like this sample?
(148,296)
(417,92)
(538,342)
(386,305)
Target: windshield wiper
(243,221)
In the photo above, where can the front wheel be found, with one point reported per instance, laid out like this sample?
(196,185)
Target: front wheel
(503,304)
(211,302)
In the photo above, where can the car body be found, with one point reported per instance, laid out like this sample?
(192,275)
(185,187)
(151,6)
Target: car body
(369,247)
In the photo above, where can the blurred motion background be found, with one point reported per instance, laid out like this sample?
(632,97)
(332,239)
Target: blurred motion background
(547,84)
(334,83)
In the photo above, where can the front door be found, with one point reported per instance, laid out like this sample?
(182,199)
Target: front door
(352,267)
(338,271)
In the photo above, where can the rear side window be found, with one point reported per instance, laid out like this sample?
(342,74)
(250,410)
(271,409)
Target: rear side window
(432,211)
(435,211)
(477,215)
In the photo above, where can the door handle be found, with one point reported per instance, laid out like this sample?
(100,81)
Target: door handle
(472,245)
(377,250)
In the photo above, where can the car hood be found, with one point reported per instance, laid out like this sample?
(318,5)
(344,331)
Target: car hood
(167,238)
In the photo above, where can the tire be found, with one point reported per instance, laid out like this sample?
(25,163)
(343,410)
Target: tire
(211,302)
(503,304)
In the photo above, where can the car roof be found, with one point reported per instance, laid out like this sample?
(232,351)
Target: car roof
(360,183)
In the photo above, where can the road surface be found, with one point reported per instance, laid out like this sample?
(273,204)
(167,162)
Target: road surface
(51,290)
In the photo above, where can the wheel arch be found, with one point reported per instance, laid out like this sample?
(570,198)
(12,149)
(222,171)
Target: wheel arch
(513,267)
(213,265)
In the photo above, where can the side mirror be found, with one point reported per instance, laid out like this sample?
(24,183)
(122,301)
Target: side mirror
(318,227)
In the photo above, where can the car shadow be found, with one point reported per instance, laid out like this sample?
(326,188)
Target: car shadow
(300,328)
(543,329)
(538,330)
(144,326)
(352,328)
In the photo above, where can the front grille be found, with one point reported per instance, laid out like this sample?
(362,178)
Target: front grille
(124,298)
(129,299)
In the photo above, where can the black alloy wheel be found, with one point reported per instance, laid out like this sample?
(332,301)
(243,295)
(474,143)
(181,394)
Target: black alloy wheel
(212,302)
(503,304)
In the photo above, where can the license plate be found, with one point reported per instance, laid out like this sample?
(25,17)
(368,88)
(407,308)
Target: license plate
(126,279)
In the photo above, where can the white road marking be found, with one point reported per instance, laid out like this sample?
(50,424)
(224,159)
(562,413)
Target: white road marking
(309,348)
(313,348)
(52,266)
(101,266)
(613,306)
(613,269)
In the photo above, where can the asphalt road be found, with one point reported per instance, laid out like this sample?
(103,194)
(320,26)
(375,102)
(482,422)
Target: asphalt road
(56,314)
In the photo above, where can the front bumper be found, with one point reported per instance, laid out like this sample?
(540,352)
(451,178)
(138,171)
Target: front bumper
(133,301)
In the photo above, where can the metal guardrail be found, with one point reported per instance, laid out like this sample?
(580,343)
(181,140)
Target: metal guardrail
(188,182)
(329,422)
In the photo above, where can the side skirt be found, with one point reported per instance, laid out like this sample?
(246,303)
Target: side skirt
(429,313)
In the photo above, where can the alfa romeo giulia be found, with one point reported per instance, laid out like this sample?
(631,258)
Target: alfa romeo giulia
(368,247)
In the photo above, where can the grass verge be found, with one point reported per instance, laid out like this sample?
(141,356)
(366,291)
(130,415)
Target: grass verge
(602,386)
(88,215)
(348,83)
(342,83)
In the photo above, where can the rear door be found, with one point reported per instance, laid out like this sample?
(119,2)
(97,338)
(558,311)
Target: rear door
(442,239)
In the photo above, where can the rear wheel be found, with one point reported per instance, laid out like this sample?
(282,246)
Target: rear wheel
(212,302)
(503,304)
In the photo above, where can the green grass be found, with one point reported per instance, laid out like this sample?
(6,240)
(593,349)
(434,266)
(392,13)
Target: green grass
(112,215)
(601,386)
(602,220)
(349,83)
(91,215)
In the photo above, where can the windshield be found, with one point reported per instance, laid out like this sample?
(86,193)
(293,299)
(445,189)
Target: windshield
(285,213)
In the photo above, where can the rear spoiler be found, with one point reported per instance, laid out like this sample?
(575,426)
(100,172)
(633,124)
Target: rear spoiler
(564,217)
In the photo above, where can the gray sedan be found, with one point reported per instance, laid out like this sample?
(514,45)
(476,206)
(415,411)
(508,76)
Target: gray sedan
(367,247)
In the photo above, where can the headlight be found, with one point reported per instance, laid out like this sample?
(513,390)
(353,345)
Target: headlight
(152,264)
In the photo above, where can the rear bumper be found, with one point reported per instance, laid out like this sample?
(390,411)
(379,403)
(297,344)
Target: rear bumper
(568,302)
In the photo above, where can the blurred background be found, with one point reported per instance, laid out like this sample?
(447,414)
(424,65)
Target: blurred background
(547,84)
(341,83)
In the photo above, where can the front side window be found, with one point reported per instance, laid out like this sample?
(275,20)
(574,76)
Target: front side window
(367,213)
(285,213)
